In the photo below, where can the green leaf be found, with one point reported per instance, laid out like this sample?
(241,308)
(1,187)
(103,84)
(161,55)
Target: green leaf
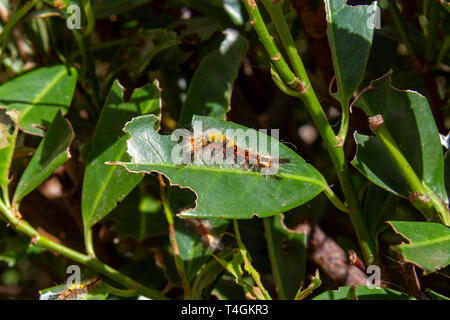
(107,8)
(209,92)
(234,9)
(143,47)
(313,285)
(351,294)
(375,163)
(287,252)
(52,152)
(139,216)
(193,249)
(14,248)
(408,119)
(197,27)
(447,173)
(234,266)
(429,244)
(155,270)
(379,207)
(8,134)
(224,11)
(208,275)
(363,293)
(194,245)
(435,295)
(103,185)
(48,90)
(350,33)
(226,289)
(223,190)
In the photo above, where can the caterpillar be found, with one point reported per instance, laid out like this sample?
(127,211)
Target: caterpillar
(216,141)
(74,291)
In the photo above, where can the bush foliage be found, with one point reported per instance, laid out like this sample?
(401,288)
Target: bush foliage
(91,91)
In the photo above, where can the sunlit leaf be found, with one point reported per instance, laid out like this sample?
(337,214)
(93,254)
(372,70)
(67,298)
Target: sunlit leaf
(223,190)
(350,33)
(39,95)
(209,92)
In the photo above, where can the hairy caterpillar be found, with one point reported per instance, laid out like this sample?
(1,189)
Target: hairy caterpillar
(214,142)
(74,292)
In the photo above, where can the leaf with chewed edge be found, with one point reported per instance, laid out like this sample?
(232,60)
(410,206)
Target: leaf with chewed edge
(103,185)
(209,92)
(405,155)
(429,244)
(223,190)
(287,253)
(408,118)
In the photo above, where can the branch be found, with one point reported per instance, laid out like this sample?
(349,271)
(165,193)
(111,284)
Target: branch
(38,240)
(307,95)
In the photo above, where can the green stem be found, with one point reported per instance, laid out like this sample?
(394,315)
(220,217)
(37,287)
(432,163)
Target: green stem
(309,98)
(179,263)
(271,248)
(248,289)
(315,283)
(402,164)
(88,241)
(345,120)
(426,205)
(120,292)
(5,194)
(432,30)
(247,263)
(41,241)
(90,17)
(443,51)
(276,14)
(275,55)
(334,199)
(401,26)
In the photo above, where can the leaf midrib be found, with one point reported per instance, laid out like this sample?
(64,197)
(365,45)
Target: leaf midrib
(46,89)
(425,242)
(217,169)
(102,190)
